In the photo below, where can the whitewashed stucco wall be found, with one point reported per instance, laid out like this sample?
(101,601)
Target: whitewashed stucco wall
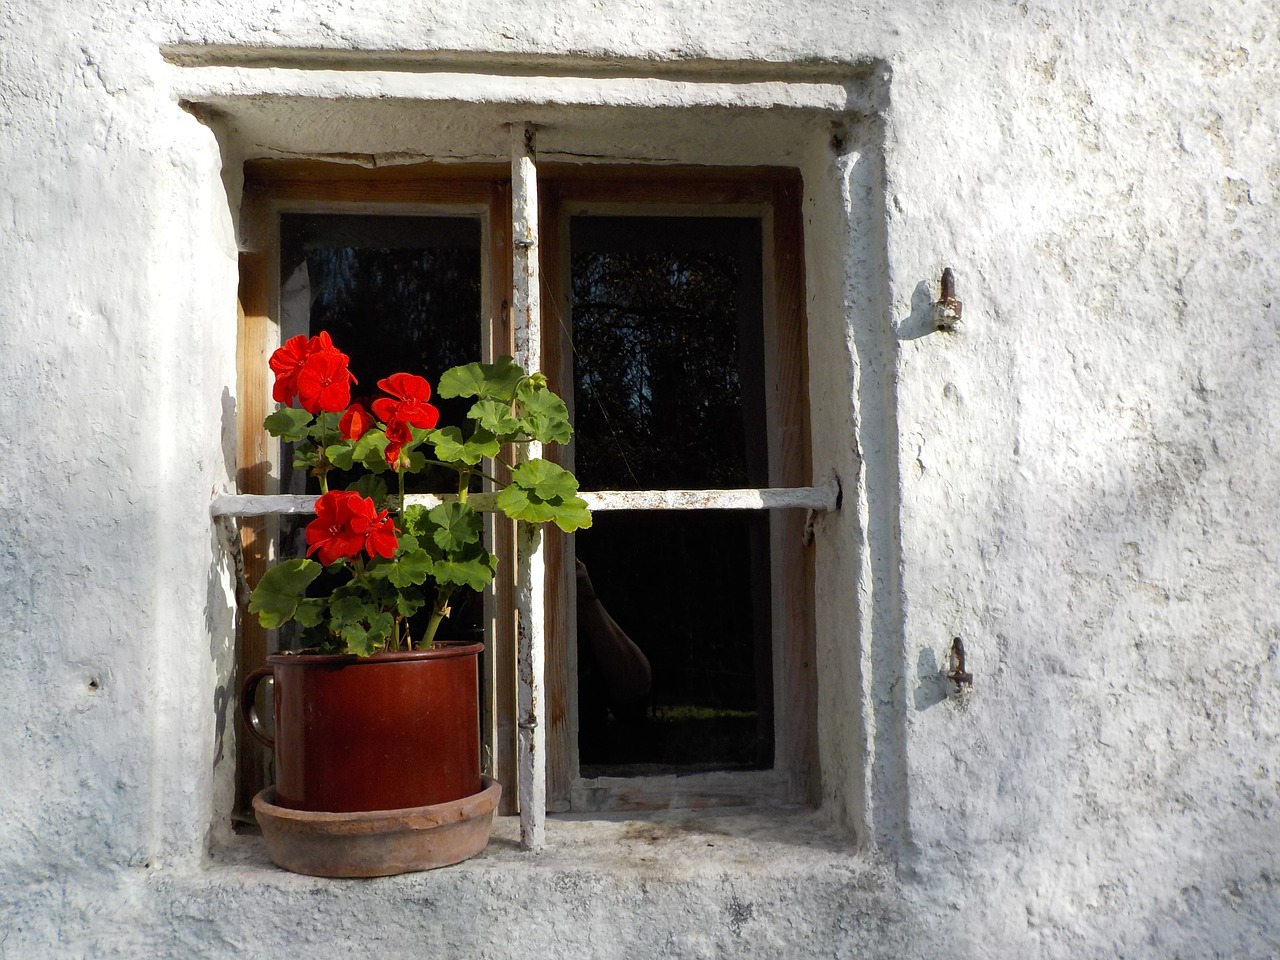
(1081,482)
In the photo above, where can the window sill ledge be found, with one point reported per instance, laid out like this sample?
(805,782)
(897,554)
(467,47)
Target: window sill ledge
(674,844)
(679,883)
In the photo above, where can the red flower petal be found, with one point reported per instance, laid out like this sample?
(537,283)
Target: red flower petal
(324,383)
(406,386)
(355,422)
(381,541)
(285,364)
(384,408)
(398,434)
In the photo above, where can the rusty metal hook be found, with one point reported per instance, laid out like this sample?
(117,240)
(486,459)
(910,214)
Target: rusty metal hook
(958,675)
(946,312)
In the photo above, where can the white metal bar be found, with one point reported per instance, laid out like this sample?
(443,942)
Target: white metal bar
(531,620)
(821,499)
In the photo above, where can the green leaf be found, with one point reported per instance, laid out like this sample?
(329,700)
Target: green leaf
(545,416)
(282,588)
(572,515)
(545,478)
(341,454)
(290,424)
(375,488)
(456,525)
(475,573)
(369,451)
(311,611)
(349,609)
(411,569)
(489,381)
(521,504)
(416,521)
(365,640)
(495,416)
(541,491)
(326,427)
(451,448)
(408,603)
(305,456)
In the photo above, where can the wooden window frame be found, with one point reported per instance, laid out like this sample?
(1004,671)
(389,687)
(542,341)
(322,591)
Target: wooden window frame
(774,194)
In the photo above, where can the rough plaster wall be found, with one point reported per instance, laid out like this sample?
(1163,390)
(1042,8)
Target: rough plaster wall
(1089,478)
(112,385)
(1080,482)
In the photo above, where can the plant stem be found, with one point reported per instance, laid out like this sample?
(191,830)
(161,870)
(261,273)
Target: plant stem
(454,466)
(445,590)
(322,466)
(438,613)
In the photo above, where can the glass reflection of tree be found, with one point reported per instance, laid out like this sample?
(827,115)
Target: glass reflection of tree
(663,399)
(658,390)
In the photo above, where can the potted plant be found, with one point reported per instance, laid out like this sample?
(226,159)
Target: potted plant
(376,720)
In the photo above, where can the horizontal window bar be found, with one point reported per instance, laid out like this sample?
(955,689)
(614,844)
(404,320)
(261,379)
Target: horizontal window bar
(825,497)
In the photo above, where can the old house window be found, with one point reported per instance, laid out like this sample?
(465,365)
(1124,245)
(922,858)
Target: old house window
(673,323)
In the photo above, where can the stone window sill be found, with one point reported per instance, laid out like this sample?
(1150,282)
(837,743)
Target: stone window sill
(679,843)
(677,883)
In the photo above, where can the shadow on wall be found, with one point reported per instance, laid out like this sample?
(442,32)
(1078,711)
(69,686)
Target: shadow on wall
(226,567)
(922,320)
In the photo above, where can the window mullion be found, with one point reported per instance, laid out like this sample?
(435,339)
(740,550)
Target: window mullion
(531,619)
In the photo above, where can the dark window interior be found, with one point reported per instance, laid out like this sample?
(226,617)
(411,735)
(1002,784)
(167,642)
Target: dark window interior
(669,393)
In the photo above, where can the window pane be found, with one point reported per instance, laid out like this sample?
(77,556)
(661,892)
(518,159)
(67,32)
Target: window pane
(668,360)
(667,352)
(395,293)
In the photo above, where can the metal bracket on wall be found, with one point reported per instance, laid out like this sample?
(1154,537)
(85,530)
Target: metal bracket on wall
(946,312)
(959,675)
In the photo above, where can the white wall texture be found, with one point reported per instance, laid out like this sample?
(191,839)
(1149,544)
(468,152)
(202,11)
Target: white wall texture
(1081,481)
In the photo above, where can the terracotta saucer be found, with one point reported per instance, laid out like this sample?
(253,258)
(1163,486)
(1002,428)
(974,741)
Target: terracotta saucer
(377,843)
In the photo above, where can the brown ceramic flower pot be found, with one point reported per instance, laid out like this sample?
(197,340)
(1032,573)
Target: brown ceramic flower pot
(386,732)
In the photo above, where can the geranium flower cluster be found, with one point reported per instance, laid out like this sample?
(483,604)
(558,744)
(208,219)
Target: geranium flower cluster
(313,370)
(405,407)
(387,559)
(347,523)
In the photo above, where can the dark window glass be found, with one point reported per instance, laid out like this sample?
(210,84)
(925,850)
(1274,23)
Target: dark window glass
(669,393)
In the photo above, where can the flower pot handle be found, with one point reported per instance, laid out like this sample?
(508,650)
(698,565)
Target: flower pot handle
(248,694)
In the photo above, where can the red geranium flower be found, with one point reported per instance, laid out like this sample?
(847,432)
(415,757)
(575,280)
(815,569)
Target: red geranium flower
(331,531)
(345,524)
(398,434)
(355,422)
(324,383)
(410,406)
(285,364)
(315,371)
